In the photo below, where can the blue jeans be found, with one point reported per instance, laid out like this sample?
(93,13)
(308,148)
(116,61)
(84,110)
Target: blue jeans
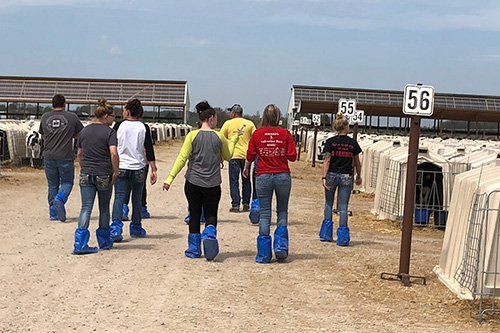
(133,179)
(236,167)
(344,183)
(266,184)
(89,186)
(60,177)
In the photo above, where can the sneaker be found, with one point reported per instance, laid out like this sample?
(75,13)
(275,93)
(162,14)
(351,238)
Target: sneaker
(234,209)
(246,208)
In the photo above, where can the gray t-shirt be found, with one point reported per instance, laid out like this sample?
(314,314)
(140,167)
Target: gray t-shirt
(204,161)
(95,140)
(59,128)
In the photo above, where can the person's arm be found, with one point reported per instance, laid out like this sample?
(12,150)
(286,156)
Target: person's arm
(326,166)
(148,145)
(154,177)
(246,168)
(186,150)
(292,151)
(357,166)
(228,148)
(79,156)
(115,161)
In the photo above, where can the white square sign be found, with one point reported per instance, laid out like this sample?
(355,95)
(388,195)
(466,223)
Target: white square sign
(418,100)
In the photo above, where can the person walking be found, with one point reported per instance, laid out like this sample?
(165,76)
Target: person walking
(274,147)
(58,128)
(133,137)
(237,163)
(203,148)
(99,163)
(341,153)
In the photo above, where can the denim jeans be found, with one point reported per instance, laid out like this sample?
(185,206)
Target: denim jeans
(281,184)
(60,177)
(133,179)
(344,183)
(236,167)
(89,186)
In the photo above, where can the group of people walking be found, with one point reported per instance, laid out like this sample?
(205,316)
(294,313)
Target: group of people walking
(122,155)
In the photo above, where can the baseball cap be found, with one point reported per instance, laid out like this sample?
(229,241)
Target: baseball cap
(236,108)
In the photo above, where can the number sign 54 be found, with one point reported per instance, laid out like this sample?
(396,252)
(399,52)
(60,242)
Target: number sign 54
(418,100)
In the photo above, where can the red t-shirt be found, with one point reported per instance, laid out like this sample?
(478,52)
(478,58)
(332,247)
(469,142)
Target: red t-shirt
(274,147)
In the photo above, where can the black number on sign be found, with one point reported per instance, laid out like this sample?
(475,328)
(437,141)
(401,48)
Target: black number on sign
(413,99)
(424,100)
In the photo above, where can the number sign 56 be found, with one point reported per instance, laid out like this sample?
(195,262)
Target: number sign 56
(418,100)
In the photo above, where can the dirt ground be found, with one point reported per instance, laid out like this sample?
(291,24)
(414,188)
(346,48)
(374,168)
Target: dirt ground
(148,284)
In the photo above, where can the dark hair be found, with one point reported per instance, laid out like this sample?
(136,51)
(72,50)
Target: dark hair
(271,116)
(103,108)
(134,106)
(58,101)
(204,110)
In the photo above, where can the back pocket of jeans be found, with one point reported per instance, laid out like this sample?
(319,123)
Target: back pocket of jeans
(103,182)
(84,179)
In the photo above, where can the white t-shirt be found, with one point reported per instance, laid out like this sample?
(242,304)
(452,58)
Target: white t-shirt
(131,136)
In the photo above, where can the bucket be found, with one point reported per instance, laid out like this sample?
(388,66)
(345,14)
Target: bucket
(422,216)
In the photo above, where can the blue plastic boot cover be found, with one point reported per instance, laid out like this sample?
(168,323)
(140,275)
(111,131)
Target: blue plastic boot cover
(202,217)
(254,211)
(59,202)
(326,231)
(194,246)
(343,237)
(144,213)
(53,213)
(210,243)
(104,238)
(125,212)
(187,217)
(281,243)
(264,250)
(137,231)
(81,240)
(116,229)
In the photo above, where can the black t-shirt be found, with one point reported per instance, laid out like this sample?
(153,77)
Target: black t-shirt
(342,149)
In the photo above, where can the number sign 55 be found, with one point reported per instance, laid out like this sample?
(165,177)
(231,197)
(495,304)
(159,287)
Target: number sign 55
(347,107)
(418,100)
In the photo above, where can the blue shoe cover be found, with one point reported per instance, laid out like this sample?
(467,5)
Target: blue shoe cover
(59,202)
(281,243)
(137,231)
(254,212)
(210,243)
(53,213)
(116,229)
(81,240)
(187,217)
(326,231)
(264,250)
(104,238)
(202,218)
(144,213)
(343,236)
(125,212)
(194,246)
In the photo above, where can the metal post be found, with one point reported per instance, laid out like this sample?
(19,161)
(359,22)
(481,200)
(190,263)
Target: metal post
(355,131)
(314,145)
(409,206)
(300,143)
(305,140)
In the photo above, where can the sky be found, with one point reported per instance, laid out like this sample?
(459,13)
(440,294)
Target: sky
(252,52)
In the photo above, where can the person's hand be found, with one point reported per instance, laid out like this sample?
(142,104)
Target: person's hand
(153,178)
(245,172)
(166,187)
(324,185)
(113,178)
(358,180)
